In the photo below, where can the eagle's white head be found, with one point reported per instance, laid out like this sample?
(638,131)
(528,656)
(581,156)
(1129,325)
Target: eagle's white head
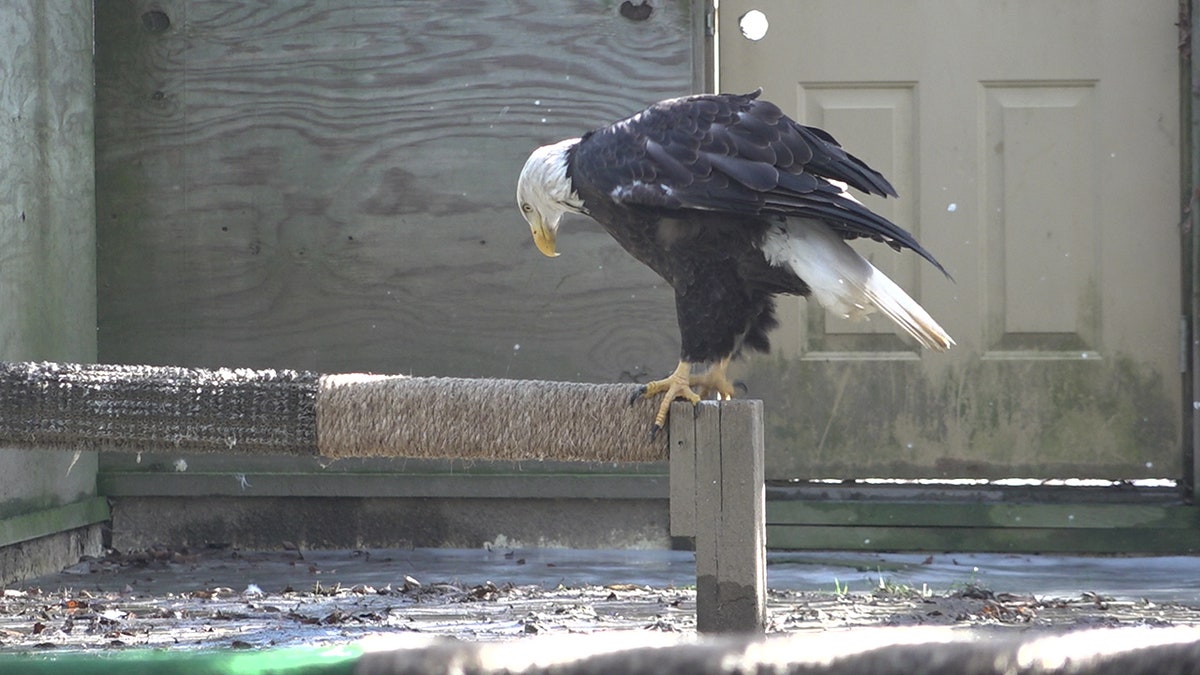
(544,193)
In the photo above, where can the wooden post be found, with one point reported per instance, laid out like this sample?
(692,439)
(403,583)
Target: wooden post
(47,265)
(682,471)
(726,507)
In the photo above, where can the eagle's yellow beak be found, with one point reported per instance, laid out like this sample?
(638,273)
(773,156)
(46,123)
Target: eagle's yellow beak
(543,237)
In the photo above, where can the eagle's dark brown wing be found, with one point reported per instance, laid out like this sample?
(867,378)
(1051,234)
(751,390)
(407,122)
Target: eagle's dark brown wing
(737,154)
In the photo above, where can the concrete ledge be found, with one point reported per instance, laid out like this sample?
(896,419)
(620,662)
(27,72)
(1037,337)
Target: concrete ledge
(32,544)
(264,523)
(48,554)
(880,651)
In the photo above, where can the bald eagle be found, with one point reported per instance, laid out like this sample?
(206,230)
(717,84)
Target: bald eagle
(732,203)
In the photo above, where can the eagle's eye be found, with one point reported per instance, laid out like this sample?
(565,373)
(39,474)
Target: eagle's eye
(526,208)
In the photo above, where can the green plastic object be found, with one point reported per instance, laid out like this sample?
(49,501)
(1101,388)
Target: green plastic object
(339,660)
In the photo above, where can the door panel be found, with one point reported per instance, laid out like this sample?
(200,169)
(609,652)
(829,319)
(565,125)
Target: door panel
(1040,163)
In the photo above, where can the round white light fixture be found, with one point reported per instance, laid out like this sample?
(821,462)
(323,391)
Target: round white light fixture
(754,25)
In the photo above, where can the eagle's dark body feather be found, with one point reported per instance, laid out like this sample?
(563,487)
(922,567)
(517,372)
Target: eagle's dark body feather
(691,186)
(723,283)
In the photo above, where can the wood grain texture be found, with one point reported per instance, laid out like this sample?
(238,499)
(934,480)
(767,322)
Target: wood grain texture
(709,524)
(329,186)
(682,469)
(731,566)
(47,241)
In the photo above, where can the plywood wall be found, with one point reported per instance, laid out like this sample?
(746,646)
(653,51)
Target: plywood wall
(47,259)
(330,185)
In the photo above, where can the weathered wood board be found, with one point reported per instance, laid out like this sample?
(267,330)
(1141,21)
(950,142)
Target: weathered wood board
(47,260)
(49,513)
(330,185)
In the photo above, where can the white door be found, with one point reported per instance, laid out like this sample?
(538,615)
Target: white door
(1035,147)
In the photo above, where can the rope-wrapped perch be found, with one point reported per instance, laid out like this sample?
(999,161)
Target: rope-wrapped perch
(154,408)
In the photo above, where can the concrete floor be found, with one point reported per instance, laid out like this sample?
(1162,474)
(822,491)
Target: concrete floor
(1160,579)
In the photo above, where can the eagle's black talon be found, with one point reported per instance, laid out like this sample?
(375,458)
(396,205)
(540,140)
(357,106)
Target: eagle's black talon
(638,393)
(741,386)
(654,429)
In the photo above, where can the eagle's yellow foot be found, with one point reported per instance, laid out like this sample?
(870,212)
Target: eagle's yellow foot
(715,382)
(676,385)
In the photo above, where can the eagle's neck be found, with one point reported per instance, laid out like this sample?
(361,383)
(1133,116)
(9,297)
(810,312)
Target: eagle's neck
(556,174)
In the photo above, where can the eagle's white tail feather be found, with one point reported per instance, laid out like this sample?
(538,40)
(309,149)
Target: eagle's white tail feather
(894,303)
(844,282)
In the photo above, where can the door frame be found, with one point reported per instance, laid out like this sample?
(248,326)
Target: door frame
(1189,171)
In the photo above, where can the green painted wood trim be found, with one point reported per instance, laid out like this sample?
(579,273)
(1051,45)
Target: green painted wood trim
(337,660)
(1016,540)
(984,515)
(52,521)
(487,486)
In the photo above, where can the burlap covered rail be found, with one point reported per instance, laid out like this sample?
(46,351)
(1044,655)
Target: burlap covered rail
(715,458)
(148,408)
